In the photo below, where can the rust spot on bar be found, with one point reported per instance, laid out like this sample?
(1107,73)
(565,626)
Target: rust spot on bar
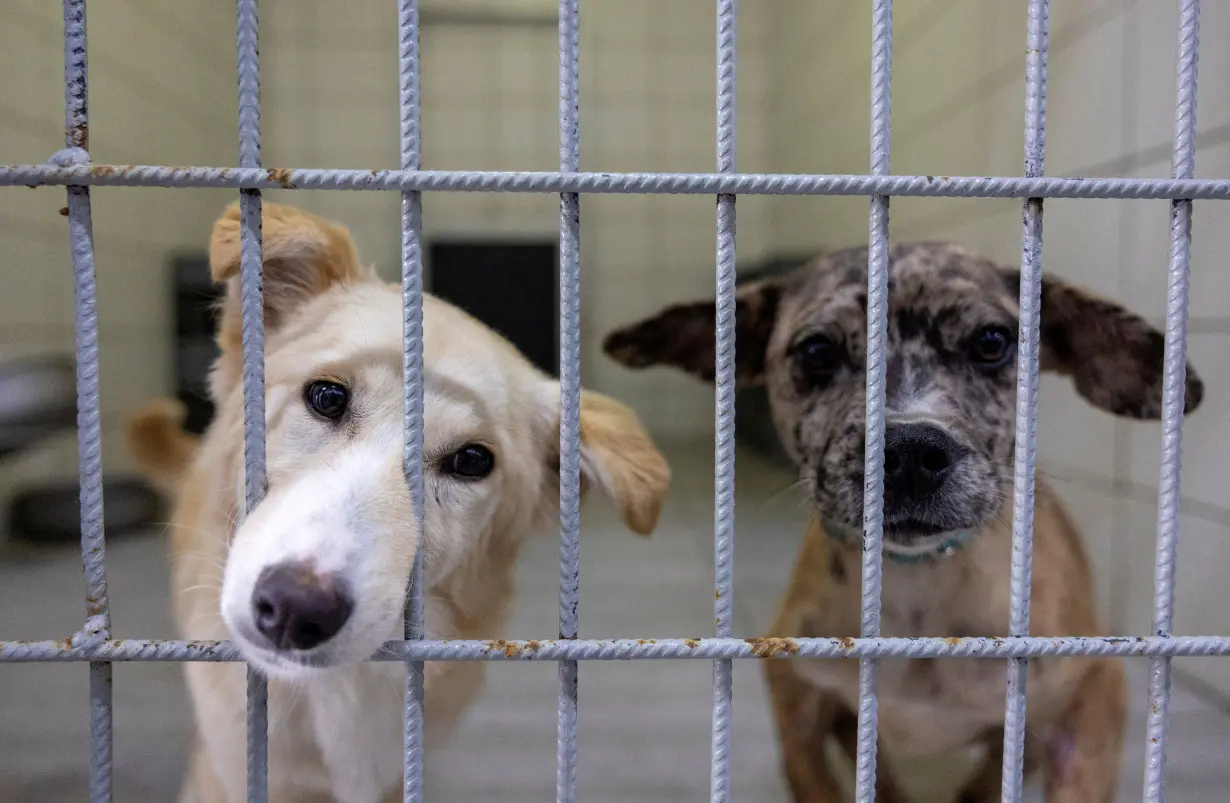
(846,643)
(63,211)
(79,136)
(533,646)
(281,175)
(692,643)
(953,641)
(99,171)
(509,648)
(644,641)
(770,647)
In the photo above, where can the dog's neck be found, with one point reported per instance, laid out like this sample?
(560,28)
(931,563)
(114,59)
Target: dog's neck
(940,546)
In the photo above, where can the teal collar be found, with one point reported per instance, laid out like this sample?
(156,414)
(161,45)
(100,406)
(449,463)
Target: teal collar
(949,544)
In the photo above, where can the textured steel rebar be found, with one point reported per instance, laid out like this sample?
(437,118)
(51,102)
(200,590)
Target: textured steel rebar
(570,397)
(1026,445)
(71,168)
(409,104)
(621,183)
(89,406)
(633,649)
(1183,159)
(251,282)
(724,400)
(877,343)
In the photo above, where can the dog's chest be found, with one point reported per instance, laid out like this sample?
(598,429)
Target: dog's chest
(358,722)
(926,704)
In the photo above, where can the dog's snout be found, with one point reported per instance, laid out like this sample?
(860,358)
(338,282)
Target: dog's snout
(296,608)
(917,459)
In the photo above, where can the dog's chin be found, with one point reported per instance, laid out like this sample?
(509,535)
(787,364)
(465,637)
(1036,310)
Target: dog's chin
(302,665)
(906,535)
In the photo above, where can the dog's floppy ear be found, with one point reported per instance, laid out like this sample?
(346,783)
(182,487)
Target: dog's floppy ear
(617,456)
(1115,358)
(682,336)
(302,254)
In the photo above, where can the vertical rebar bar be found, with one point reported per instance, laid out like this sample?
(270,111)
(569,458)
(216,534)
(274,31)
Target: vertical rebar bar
(570,395)
(1038,29)
(89,408)
(724,399)
(253,339)
(877,344)
(412,378)
(1183,158)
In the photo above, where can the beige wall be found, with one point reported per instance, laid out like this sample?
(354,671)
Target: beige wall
(490,102)
(958,106)
(161,92)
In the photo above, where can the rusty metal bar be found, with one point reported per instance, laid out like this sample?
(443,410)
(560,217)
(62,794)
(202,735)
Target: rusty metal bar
(412,379)
(1183,159)
(570,397)
(614,183)
(253,337)
(1026,447)
(724,402)
(877,344)
(89,407)
(632,649)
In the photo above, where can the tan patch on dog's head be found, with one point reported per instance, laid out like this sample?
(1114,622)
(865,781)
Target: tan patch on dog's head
(337,505)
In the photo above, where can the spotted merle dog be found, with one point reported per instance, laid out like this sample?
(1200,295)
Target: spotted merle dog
(951,385)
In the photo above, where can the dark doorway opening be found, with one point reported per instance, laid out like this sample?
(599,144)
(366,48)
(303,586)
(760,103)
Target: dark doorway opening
(511,286)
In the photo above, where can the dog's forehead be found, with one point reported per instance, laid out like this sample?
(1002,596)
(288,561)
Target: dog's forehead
(920,275)
(462,357)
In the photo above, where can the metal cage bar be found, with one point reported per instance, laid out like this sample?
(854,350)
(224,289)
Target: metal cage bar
(632,649)
(89,409)
(615,183)
(409,103)
(1173,399)
(877,344)
(570,397)
(1026,445)
(724,401)
(253,340)
(71,168)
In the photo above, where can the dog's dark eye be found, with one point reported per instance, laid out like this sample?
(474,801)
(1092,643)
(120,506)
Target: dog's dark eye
(472,462)
(819,357)
(991,347)
(327,399)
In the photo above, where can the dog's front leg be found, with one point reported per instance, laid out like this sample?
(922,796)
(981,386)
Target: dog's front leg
(804,716)
(845,729)
(987,785)
(1084,749)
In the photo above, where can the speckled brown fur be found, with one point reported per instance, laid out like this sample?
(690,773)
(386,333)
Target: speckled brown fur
(940,297)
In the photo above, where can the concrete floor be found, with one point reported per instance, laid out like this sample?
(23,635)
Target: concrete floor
(644,732)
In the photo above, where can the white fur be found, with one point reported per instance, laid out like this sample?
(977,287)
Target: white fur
(338,502)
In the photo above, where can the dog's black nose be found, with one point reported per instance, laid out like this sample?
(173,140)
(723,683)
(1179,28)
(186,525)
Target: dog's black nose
(917,460)
(294,607)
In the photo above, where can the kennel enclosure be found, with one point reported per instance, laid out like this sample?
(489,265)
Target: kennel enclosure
(72,169)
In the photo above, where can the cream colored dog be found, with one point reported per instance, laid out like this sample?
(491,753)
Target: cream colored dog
(311,582)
